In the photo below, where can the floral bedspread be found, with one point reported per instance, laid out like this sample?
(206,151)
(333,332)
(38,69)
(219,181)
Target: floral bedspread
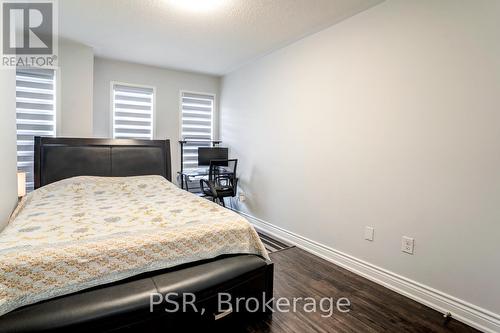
(86,231)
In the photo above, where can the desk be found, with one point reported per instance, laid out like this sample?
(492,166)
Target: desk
(199,172)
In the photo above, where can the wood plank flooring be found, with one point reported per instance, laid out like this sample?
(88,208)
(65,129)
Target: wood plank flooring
(374,308)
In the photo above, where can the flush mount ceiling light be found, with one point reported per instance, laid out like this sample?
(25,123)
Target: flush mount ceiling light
(197,5)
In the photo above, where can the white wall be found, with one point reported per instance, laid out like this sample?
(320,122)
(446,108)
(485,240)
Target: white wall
(8,168)
(389,119)
(75,89)
(168,84)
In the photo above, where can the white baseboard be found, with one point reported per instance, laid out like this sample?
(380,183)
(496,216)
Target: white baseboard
(461,310)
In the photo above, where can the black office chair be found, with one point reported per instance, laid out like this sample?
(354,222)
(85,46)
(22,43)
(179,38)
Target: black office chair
(222,181)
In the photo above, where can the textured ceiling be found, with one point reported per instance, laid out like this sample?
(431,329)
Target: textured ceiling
(210,40)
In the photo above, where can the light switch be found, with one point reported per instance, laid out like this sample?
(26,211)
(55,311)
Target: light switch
(369,231)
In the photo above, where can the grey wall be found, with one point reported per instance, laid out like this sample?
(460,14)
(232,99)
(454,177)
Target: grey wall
(75,89)
(8,157)
(168,84)
(389,119)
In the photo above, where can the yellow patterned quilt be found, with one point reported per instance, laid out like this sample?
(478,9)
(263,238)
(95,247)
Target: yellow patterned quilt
(86,231)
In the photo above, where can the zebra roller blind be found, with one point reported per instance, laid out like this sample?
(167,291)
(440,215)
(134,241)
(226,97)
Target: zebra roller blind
(133,114)
(197,125)
(35,114)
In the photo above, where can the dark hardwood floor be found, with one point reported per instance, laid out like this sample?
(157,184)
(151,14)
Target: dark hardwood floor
(373,307)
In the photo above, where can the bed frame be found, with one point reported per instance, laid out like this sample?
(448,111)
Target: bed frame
(125,305)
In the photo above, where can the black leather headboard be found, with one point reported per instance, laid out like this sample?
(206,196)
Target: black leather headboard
(61,158)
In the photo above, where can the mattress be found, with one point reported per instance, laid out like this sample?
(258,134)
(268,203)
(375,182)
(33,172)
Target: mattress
(86,231)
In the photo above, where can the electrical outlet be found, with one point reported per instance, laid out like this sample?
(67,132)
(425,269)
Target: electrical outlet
(369,233)
(407,244)
(242,197)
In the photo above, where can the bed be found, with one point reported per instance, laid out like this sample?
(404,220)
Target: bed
(106,229)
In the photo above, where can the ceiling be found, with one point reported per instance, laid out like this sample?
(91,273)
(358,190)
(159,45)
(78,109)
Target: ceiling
(208,36)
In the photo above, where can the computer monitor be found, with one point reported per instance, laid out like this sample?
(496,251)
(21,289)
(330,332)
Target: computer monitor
(206,154)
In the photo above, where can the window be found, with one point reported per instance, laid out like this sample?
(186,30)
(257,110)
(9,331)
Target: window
(197,125)
(133,111)
(35,114)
